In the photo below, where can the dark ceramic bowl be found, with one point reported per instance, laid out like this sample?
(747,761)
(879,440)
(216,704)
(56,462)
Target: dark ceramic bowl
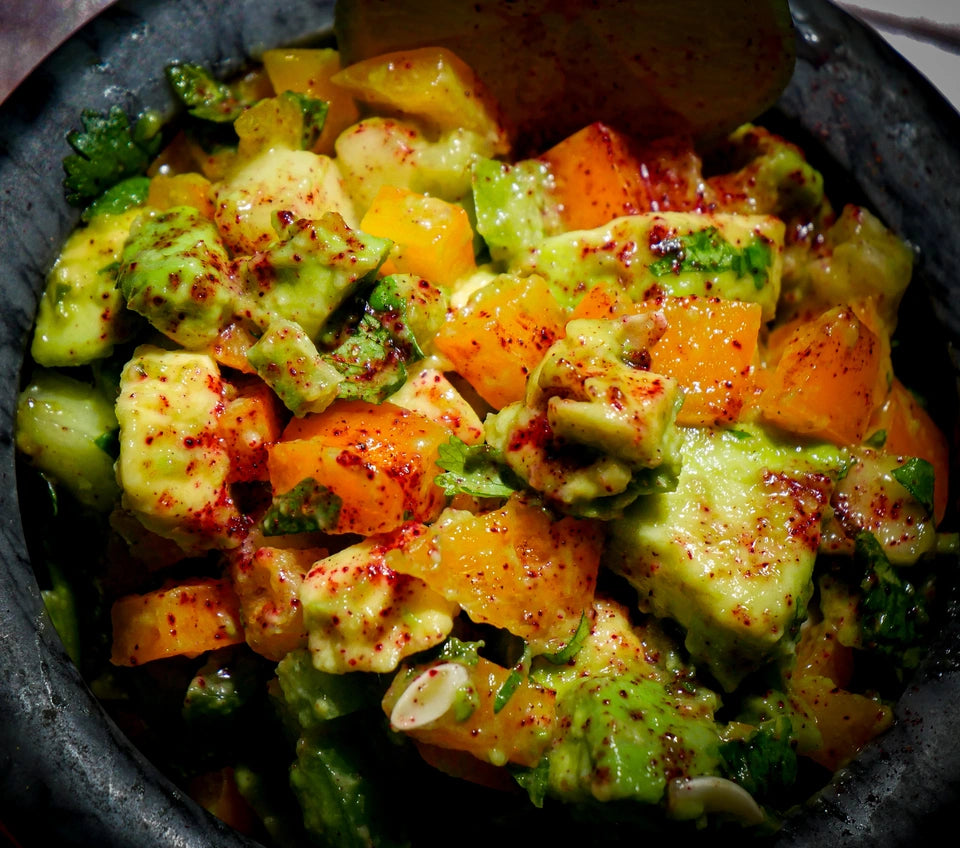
(879,130)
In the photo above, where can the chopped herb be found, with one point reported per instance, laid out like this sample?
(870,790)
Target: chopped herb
(877,440)
(893,612)
(109,442)
(308,506)
(372,365)
(505,692)
(916,476)
(127,194)
(765,763)
(707,250)
(474,470)
(535,781)
(314,116)
(204,96)
(456,650)
(107,151)
(572,648)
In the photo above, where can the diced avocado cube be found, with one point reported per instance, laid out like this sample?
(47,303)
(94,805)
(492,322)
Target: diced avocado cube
(738,257)
(173,466)
(593,431)
(67,428)
(604,753)
(310,271)
(175,271)
(81,315)
(288,361)
(729,554)
(513,205)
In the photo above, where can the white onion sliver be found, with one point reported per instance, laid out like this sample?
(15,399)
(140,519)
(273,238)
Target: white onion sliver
(714,795)
(429,695)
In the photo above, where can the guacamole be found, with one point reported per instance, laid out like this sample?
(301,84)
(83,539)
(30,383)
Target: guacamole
(566,488)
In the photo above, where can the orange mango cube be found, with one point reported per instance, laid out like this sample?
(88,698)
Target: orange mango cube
(309,71)
(514,567)
(430,83)
(379,459)
(432,238)
(500,336)
(597,177)
(708,347)
(910,431)
(831,376)
(187,620)
(517,733)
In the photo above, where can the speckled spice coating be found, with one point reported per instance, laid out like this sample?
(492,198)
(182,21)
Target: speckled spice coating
(66,774)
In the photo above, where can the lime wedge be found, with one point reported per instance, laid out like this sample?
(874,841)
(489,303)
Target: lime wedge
(648,67)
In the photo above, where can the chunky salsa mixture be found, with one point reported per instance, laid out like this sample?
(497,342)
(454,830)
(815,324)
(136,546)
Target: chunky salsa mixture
(420,476)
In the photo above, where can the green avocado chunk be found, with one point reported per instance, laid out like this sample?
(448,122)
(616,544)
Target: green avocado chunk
(310,271)
(729,554)
(513,206)
(737,257)
(607,754)
(288,361)
(593,432)
(81,314)
(630,715)
(66,428)
(175,271)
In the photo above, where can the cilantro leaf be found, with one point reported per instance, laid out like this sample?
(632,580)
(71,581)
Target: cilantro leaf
(372,346)
(893,613)
(372,364)
(308,506)
(917,476)
(765,763)
(475,470)
(204,96)
(127,194)
(107,151)
(876,440)
(314,116)
(707,250)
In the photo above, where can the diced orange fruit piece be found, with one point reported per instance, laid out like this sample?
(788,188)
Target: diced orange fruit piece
(191,189)
(309,71)
(250,422)
(518,733)
(187,619)
(272,122)
(217,792)
(708,347)
(268,587)
(603,301)
(514,567)
(597,177)
(846,721)
(671,174)
(910,431)
(432,238)
(430,83)
(500,336)
(820,654)
(465,766)
(379,459)
(830,378)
